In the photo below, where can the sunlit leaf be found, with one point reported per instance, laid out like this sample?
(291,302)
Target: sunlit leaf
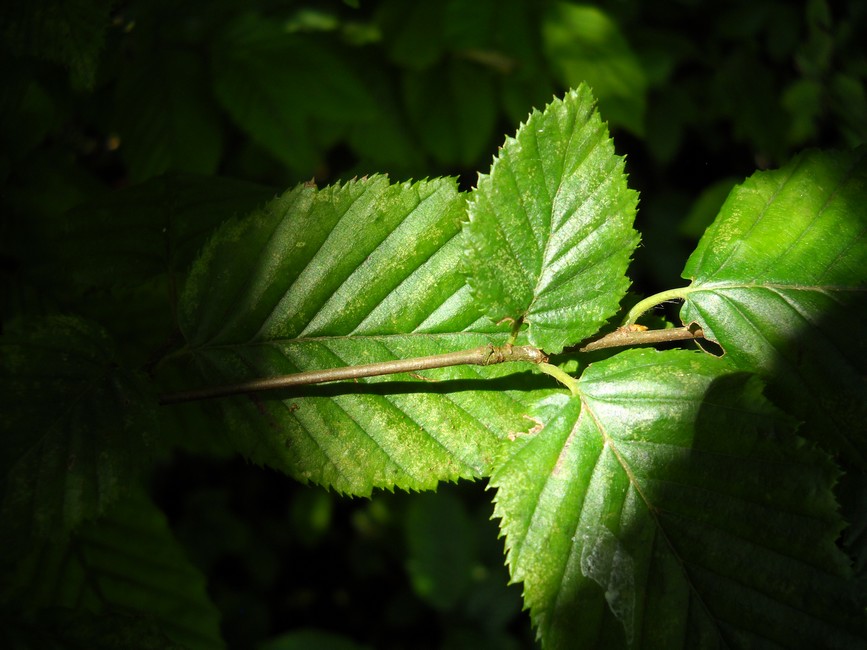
(670,506)
(351,274)
(550,230)
(780,281)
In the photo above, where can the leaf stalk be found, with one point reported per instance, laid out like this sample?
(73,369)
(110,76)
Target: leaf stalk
(652,301)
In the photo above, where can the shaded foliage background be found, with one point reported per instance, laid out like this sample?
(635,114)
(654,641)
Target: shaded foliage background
(111,112)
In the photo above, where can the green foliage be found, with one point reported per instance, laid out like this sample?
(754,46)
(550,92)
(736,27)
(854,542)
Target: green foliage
(695,498)
(352,274)
(585,46)
(658,506)
(549,236)
(67,33)
(772,286)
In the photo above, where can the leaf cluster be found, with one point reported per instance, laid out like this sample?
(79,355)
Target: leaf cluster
(701,497)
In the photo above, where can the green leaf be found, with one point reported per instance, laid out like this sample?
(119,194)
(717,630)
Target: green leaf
(549,236)
(351,274)
(670,506)
(584,45)
(280,88)
(779,281)
(75,432)
(413,32)
(127,562)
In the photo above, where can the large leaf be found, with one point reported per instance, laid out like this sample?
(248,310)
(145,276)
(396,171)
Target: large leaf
(550,231)
(780,281)
(76,429)
(125,564)
(351,274)
(670,506)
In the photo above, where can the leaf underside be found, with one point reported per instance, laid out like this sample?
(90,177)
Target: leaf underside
(550,228)
(351,274)
(670,506)
(780,281)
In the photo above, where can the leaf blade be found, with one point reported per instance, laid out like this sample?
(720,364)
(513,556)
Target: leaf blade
(347,275)
(669,506)
(549,234)
(778,281)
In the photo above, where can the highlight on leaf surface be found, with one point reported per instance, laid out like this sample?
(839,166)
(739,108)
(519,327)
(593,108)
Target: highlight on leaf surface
(351,274)
(779,280)
(671,506)
(550,228)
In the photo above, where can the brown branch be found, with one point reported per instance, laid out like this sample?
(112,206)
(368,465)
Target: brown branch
(638,335)
(485,355)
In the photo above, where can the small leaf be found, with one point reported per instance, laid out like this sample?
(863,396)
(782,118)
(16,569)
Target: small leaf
(351,274)
(126,562)
(76,428)
(550,231)
(670,506)
(779,281)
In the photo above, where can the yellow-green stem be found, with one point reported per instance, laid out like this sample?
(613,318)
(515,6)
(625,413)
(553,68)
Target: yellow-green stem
(563,377)
(652,301)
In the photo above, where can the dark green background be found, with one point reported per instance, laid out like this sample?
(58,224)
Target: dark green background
(254,97)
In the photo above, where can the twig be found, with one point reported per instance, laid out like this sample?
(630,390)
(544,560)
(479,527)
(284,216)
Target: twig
(485,355)
(638,335)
